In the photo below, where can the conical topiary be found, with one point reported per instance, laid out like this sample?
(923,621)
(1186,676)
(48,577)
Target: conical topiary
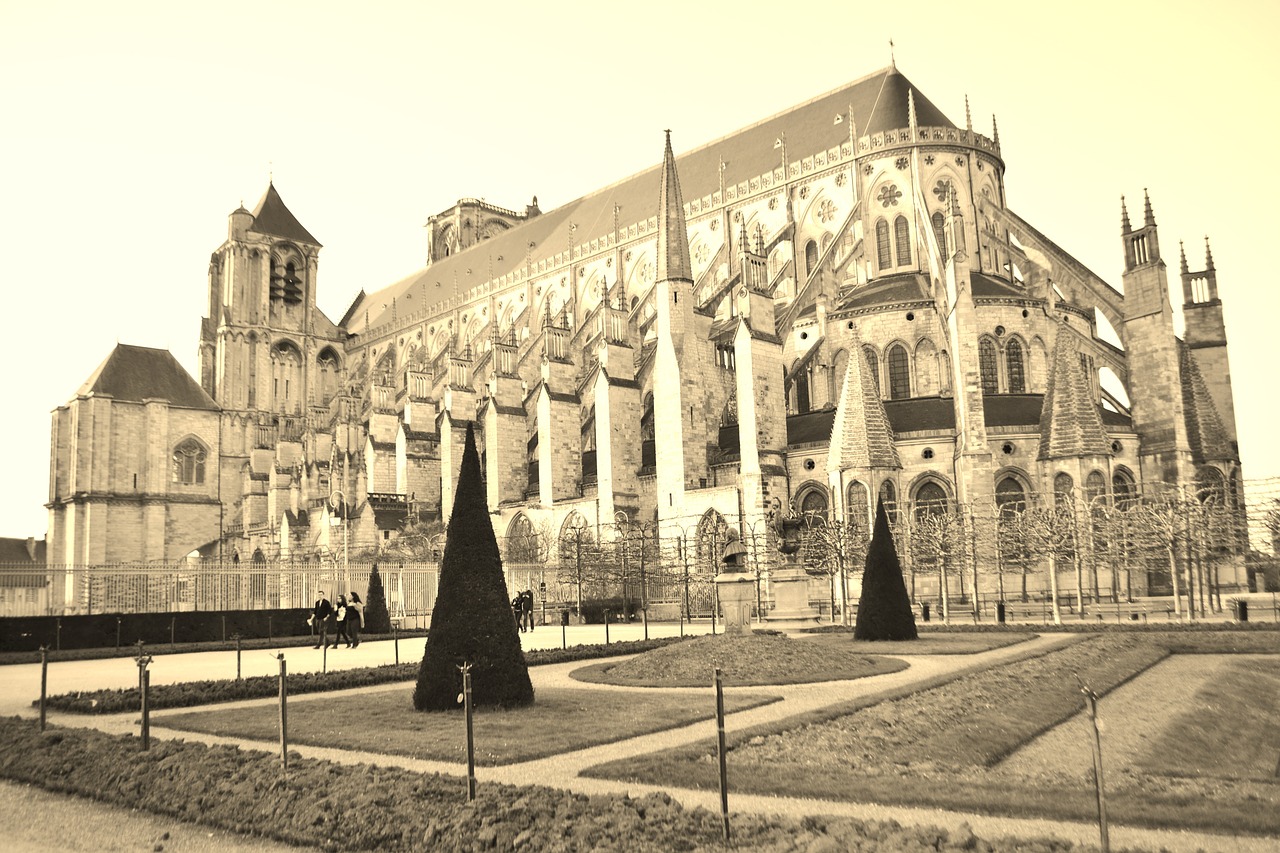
(376,618)
(472,620)
(884,610)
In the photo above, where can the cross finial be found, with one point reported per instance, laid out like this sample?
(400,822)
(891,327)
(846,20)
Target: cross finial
(892,61)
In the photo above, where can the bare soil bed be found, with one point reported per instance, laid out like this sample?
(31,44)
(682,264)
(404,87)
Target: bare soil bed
(939,746)
(745,660)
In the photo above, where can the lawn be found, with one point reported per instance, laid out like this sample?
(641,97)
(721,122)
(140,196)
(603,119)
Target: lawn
(1228,728)
(936,746)
(561,720)
(931,643)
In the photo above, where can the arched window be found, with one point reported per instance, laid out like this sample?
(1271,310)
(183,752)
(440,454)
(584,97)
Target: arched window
(1016,370)
(931,499)
(987,367)
(646,419)
(286,378)
(1063,489)
(800,384)
(188,463)
(873,362)
(1010,496)
(1210,486)
(939,231)
(884,254)
(1095,487)
(813,506)
(856,507)
(899,372)
(713,533)
(1122,486)
(902,240)
(810,258)
(889,497)
(327,377)
(522,541)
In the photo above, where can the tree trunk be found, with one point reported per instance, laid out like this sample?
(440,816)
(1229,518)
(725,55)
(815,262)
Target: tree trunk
(1173,576)
(1053,588)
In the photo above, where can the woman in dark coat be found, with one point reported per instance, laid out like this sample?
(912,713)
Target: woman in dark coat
(340,616)
(355,617)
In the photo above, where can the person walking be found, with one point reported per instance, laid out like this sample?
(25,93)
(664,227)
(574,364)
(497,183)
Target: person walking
(355,618)
(526,610)
(517,610)
(340,617)
(320,614)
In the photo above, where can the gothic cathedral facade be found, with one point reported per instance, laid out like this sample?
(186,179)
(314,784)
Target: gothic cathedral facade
(834,305)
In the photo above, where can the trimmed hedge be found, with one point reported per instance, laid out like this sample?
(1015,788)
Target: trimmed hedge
(320,804)
(188,693)
(101,630)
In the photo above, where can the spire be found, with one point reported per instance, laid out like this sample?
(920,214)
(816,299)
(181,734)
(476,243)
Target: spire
(1125,227)
(673,237)
(1182,254)
(995,130)
(968,119)
(893,62)
(271,216)
(1147,214)
(1070,424)
(1208,255)
(911,112)
(861,436)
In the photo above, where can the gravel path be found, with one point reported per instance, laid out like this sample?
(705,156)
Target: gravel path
(1131,716)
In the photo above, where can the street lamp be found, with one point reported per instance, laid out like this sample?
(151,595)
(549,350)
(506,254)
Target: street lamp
(337,493)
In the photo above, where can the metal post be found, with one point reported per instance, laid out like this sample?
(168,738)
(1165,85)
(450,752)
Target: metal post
(143,681)
(146,710)
(471,745)
(564,642)
(44,682)
(1091,701)
(173,621)
(720,753)
(58,638)
(606,627)
(269,638)
(324,658)
(236,637)
(395,636)
(224,627)
(118,621)
(715,605)
(284,716)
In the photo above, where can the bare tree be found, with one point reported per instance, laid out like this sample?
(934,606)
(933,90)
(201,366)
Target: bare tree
(938,547)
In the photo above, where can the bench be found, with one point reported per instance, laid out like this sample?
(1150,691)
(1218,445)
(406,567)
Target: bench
(1028,610)
(1122,610)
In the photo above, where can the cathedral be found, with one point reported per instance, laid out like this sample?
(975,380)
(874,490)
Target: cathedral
(834,305)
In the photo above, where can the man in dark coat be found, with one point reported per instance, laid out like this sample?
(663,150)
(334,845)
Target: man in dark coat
(526,610)
(320,614)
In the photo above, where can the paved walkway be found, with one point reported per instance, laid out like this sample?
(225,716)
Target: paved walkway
(563,770)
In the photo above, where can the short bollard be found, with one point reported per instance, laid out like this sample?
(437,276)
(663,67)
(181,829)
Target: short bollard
(58,637)
(236,637)
(720,752)
(395,636)
(324,658)
(471,744)
(173,624)
(606,627)
(1091,702)
(119,621)
(143,681)
(284,717)
(146,709)
(44,682)
(269,638)
(224,628)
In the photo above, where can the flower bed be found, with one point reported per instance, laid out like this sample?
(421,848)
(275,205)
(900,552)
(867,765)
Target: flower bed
(324,805)
(189,693)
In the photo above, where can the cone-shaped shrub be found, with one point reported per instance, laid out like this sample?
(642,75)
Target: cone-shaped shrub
(376,618)
(884,611)
(472,619)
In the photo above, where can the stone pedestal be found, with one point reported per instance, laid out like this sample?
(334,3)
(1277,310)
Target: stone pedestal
(790,586)
(737,593)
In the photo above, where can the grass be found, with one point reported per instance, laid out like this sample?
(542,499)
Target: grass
(561,720)
(931,643)
(130,651)
(935,745)
(1227,730)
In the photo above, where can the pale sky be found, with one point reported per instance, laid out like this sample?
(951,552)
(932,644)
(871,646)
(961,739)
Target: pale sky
(131,130)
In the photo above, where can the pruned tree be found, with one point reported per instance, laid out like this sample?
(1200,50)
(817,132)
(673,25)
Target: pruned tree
(376,618)
(471,621)
(1050,531)
(938,547)
(884,610)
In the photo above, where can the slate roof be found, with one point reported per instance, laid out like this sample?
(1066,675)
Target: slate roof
(134,374)
(271,216)
(879,103)
(933,414)
(985,285)
(904,287)
(1070,425)
(861,436)
(810,426)
(1206,435)
(15,555)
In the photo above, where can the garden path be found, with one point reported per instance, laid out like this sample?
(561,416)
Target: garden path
(563,771)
